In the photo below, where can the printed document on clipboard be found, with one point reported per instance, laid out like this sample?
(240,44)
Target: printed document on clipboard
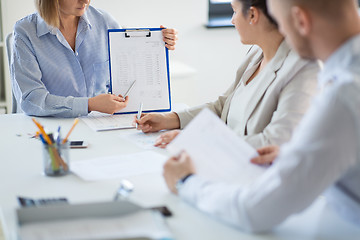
(139,60)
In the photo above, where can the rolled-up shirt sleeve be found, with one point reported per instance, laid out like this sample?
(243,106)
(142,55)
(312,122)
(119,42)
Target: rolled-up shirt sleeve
(321,151)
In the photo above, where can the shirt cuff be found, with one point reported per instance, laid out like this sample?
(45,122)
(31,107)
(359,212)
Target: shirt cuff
(190,188)
(80,106)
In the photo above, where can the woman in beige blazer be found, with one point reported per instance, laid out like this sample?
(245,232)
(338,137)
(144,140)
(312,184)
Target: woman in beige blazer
(271,93)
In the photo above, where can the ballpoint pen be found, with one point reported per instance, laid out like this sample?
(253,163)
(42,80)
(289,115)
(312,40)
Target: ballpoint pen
(58,137)
(130,88)
(139,113)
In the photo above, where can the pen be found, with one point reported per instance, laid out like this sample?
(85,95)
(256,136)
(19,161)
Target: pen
(128,91)
(139,113)
(42,139)
(58,137)
(71,129)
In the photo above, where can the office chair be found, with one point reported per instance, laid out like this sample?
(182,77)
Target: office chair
(9,43)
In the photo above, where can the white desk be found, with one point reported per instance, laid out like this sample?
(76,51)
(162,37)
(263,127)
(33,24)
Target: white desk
(21,174)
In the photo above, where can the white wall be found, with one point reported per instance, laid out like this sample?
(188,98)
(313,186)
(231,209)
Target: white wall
(215,54)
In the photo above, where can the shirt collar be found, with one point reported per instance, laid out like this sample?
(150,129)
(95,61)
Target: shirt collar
(85,19)
(43,28)
(339,60)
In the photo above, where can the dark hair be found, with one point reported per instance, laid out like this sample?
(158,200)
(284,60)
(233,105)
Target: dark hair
(261,4)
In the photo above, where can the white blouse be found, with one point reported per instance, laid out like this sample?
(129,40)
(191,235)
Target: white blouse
(243,95)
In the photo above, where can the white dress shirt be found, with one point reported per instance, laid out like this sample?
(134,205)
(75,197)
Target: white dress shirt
(323,155)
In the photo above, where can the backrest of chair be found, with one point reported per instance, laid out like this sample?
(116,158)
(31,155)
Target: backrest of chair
(9,46)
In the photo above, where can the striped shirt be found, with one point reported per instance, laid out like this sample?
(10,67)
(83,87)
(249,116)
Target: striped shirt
(49,78)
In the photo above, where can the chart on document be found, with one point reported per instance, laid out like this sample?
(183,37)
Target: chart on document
(139,58)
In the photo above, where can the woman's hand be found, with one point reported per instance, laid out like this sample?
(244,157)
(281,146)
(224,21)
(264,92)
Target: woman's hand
(164,139)
(107,103)
(169,37)
(154,122)
(267,155)
(177,168)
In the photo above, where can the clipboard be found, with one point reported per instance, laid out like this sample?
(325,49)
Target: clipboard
(140,55)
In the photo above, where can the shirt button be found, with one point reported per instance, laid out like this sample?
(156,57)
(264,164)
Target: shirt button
(76,53)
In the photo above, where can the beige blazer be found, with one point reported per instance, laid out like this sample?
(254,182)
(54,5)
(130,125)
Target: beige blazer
(289,83)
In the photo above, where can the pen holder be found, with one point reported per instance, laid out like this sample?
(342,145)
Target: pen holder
(56,159)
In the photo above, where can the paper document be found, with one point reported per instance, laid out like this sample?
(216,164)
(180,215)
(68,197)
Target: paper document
(218,153)
(140,56)
(103,122)
(119,166)
(143,140)
(141,224)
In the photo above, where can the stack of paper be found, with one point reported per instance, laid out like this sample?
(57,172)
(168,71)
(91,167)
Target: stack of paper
(217,152)
(103,122)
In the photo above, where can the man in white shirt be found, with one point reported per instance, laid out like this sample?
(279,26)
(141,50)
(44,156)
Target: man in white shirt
(324,153)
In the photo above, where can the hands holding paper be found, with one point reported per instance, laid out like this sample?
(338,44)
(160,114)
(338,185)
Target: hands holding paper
(177,168)
(170,37)
(154,122)
(267,155)
(107,103)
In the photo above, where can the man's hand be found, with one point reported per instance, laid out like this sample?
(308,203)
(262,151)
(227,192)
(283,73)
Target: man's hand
(177,168)
(267,155)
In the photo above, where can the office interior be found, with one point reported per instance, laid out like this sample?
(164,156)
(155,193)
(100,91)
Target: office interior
(205,60)
(202,67)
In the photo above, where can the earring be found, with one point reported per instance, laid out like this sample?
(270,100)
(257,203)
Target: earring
(250,23)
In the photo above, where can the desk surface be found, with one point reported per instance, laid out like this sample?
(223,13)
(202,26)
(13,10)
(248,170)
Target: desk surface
(21,174)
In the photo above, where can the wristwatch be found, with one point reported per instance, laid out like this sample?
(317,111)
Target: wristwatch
(181,181)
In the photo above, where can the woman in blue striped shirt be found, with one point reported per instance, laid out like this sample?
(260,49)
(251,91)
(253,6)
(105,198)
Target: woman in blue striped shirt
(60,62)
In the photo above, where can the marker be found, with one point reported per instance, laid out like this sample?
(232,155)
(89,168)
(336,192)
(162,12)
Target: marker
(128,91)
(139,113)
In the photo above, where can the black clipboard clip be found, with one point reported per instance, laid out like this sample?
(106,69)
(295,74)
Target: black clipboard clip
(135,33)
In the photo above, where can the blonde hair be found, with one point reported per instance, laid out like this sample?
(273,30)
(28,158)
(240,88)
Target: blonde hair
(49,11)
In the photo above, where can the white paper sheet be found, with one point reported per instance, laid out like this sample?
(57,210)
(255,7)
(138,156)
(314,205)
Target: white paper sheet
(119,166)
(145,223)
(218,153)
(143,140)
(141,59)
(103,122)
